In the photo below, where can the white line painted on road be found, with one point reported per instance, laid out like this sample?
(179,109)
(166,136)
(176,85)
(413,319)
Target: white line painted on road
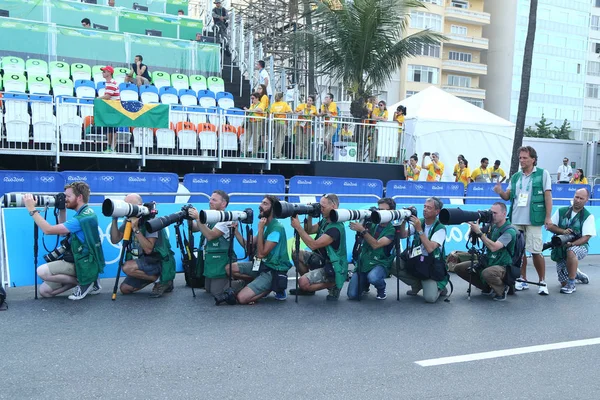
(508,352)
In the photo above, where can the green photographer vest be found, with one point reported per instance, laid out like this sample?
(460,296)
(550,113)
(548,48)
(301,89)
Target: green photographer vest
(339,257)
(503,256)
(370,258)
(278,258)
(89,258)
(564,222)
(439,252)
(537,205)
(162,250)
(215,256)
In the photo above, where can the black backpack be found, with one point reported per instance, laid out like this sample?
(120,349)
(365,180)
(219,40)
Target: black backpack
(3,305)
(513,271)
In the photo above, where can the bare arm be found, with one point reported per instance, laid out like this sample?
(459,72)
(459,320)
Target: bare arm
(115,235)
(48,229)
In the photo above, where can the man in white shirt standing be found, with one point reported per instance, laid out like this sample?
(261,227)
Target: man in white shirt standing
(565,172)
(263,77)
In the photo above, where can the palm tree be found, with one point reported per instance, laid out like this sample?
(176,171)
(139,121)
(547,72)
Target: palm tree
(361,43)
(524,95)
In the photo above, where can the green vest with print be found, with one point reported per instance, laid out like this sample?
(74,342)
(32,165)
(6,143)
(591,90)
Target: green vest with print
(537,205)
(89,258)
(503,256)
(339,257)
(215,256)
(162,250)
(369,257)
(439,252)
(564,222)
(278,258)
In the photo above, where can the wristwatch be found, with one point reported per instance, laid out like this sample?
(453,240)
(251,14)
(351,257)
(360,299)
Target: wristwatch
(32,213)
(136,231)
(420,233)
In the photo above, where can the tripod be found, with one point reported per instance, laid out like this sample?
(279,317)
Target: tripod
(126,241)
(186,255)
(397,228)
(356,250)
(35,257)
(471,245)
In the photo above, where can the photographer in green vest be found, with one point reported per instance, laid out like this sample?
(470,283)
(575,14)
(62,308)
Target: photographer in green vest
(580,225)
(530,194)
(83,259)
(148,255)
(326,266)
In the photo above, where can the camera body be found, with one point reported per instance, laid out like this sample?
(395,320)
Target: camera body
(561,240)
(159,223)
(59,252)
(283,209)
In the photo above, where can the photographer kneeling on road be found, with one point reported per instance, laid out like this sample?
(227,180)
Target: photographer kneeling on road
(568,221)
(83,261)
(430,238)
(490,274)
(376,255)
(149,255)
(268,271)
(326,267)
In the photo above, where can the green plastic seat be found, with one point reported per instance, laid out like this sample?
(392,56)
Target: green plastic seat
(180,81)
(11,64)
(59,69)
(62,86)
(36,67)
(198,82)
(120,73)
(14,82)
(97,73)
(80,71)
(161,79)
(215,84)
(38,84)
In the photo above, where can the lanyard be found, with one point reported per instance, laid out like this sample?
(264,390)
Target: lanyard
(528,188)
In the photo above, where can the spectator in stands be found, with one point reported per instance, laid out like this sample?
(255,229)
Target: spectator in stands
(220,18)
(180,13)
(379,114)
(497,173)
(329,110)
(412,169)
(346,133)
(141,72)
(579,177)
(565,172)
(435,169)
(149,255)
(256,118)
(464,173)
(111,3)
(264,98)
(111,92)
(457,166)
(370,104)
(328,249)
(306,112)
(430,238)
(399,115)
(280,109)
(263,77)
(83,259)
(86,23)
(483,173)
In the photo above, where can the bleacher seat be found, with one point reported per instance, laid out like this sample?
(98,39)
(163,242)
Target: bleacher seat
(228,138)
(100,88)
(85,88)
(198,82)
(235,117)
(120,73)
(180,81)
(17,117)
(58,70)
(168,95)
(129,91)
(36,67)
(165,138)
(225,100)
(149,94)
(215,84)
(86,108)
(187,135)
(214,115)
(188,97)
(38,84)
(143,137)
(43,119)
(339,186)
(234,183)
(197,115)
(13,65)
(14,82)
(97,73)
(178,114)
(206,98)
(80,71)
(62,87)
(69,122)
(161,79)
(207,134)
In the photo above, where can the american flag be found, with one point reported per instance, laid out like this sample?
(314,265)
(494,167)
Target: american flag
(132,106)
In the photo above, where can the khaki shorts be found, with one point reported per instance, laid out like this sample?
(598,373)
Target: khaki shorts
(317,276)
(534,242)
(262,281)
(60,267)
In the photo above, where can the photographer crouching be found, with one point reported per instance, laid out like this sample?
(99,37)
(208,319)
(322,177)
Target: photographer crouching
(149,255)
(574,226)
(490,272)
(82,258)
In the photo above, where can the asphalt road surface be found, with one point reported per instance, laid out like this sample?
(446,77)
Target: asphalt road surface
(180,347)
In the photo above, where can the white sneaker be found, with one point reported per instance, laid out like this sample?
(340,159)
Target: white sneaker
(582,278)
(81,291)
(97,288)
(521,285)
(543,290)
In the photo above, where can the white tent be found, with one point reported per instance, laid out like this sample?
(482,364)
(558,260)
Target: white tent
(437,121)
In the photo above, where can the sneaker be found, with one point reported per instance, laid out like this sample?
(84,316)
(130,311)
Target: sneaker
(543,290)
(334,294)
(487,292)
(502,297)
(160,288)
(281,296)
(568,288)
(97,287)
(381,295)
(365,293)
(412,292)
(81,291)
(582,278)
(521,286)
(301,292)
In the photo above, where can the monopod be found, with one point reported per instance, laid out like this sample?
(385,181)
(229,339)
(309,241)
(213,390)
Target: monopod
(126,240)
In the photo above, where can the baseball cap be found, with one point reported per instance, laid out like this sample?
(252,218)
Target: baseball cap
(109,69)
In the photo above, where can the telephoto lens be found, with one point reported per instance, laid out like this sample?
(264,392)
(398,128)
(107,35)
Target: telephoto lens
(213,216)
(385,216)
(283,209)
(456,216)
(342,215)
(119,208)
(16,200)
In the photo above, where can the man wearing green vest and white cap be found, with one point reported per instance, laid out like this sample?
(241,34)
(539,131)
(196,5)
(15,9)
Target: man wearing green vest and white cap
(572,220)
(530,194)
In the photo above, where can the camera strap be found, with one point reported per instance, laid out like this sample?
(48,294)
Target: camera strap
(570,219)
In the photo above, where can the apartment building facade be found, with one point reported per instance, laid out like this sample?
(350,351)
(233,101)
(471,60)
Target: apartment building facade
(591,108)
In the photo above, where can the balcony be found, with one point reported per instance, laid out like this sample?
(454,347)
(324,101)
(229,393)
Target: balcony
(465,92)
(470,17)
(467,41)
(464,67)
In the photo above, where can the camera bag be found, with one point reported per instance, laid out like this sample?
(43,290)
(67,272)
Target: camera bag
(3,305)
(513,271)
(425,267)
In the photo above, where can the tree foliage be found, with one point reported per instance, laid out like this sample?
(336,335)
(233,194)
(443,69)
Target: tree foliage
(544,129)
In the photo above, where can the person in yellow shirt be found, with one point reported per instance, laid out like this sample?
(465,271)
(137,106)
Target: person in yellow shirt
(412,169)
(379,114)
(304,131)
(328,110)
(435,169)
(264,97)
(457,167)
(483,174)
(579,177)
(399,115)
(279,109)
(498,174)
(256,124)
(346,133)
(464,173)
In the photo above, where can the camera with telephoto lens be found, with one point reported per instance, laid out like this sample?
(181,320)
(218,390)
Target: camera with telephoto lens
(119,208)
(343,215)
(228,296)
(159,223)
(283,209)
(213,216)
(456,216)
(385,216)
(59,253)
(42,200)
(561,240)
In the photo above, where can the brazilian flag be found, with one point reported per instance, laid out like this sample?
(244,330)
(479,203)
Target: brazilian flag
(115,113)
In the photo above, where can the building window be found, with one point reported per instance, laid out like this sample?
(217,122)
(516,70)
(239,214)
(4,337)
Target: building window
(410,93)
(596,22)
(457,80)
(596,3)
(592,90)
(591,113)
(475,102)
(458,56)
(421,73)
(596,47)
(460,4)
(422,20)
(593,68)
(458,30)
(436,2)
(430,50)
